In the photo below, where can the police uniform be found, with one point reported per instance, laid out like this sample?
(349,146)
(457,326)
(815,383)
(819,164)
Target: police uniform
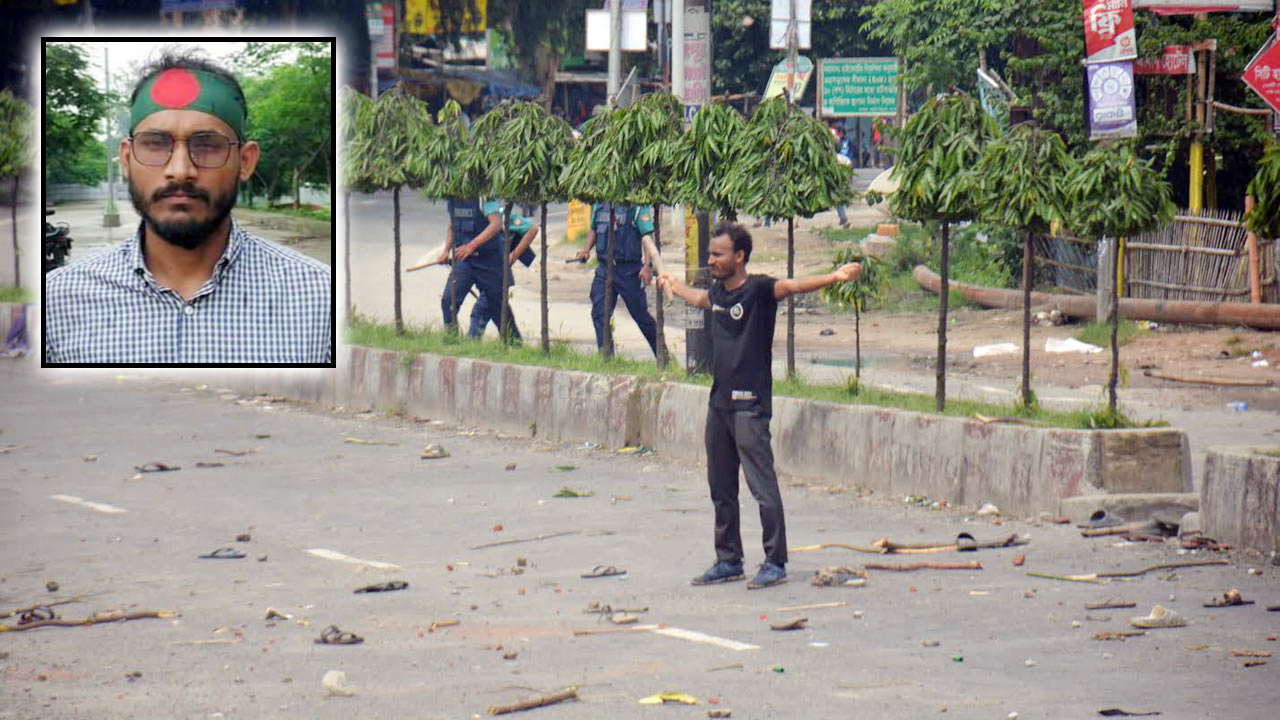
(517,227)
(630,224)
(483,268)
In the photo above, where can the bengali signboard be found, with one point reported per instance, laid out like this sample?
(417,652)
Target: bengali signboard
(783,75)
(858,87)
(1263,74)
(1108,31)
(1175,60)
(1112,112)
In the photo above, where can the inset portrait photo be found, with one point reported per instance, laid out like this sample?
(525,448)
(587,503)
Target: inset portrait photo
(188,193)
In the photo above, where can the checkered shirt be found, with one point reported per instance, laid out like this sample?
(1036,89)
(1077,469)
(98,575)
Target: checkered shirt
(264,304)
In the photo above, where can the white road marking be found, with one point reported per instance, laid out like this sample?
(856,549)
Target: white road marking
(695,636)
(334,555)
(100,507)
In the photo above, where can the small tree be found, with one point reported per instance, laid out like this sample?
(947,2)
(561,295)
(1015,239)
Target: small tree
(1021,182)
(443,178)
(1115,193)
(1264,219)
(870,285)
(704,156)
(15,156)
(936,149)
(785,166)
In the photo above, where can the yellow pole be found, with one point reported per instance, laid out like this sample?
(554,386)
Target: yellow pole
(1197,177)
(1120,268)
(690,244)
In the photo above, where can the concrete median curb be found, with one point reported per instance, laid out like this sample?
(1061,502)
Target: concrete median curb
(1240,498)
(1021,469)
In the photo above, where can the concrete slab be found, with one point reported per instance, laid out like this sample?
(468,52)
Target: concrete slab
(1238,498)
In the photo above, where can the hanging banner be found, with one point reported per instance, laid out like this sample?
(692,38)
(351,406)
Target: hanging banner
(783,75)
(1188,7)
(1112,112)
(1263,74)
(1108,31)
(697,60)
(384,47)
(1175,60)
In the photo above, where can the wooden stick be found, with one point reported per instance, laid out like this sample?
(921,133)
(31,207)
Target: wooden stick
(1069,578)
(892,548)
(975,565)
(658,265)
(92,620)
(29,608)
(815,606)
(1166,566)
(443,623)
(537,702)
(1252,653)
(824,546)
(1226,382)
(1109,605)
(610,631)
(523,540)
(1119,634)
(1117,530)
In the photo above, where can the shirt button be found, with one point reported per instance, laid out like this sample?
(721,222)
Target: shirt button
(189,309)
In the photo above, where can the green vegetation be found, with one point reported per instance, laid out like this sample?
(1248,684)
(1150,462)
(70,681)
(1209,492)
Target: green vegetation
(364,331)
(1100,334)
(15,295)
(315,212)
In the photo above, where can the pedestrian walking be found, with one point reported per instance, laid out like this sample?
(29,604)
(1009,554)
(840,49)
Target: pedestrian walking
(630,273)
(744,311)
(477,262)
(522,232)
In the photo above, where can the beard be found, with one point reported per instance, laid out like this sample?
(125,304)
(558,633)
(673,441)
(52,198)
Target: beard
(190,232)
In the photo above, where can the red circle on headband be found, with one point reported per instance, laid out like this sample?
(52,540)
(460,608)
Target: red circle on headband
(175,88)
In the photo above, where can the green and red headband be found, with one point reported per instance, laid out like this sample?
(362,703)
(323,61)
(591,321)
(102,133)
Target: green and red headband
(186,89)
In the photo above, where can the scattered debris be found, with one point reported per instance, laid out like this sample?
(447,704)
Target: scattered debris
(797,624)
(20,611)
(132,676)
(601,571)
(1160,617)
(388,586)
(666,697)
(1005,348)
(523,540)
(564,468)
(273,614)
(730,666)
(1230,598)
(1227,382)
(204,464)
(975,565)
(567,492)
(839,576)
(1069,345)
(236,453)
(629,629)
(964,542)
(51,586)
(1110,604)
(1165,566)
(332,635)
(435,624)
(91,458)
(244,537)
(1252,653)
(224,553)
(814,606)
(155,467)
(930,643)
(335,683)
(537,702)
(988,509)
(1092,578)
(719,713)
(433,451)
(510,655)
(1117,712)
(358,441)
(511,466)
(623,619)
(1018,561)
(97,618)
(1119,635)
(824,332)
(10,448)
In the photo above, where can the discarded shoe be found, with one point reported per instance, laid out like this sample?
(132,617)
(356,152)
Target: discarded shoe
(225,553)
(433,451)
(1160,617)
(334,636)
(1101,519)
(1230,598)
(839,576)
(769,574)
(723,571)
(384,586)
(600,571)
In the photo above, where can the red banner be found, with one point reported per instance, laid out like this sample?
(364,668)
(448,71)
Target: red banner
(1263,75)
(1176,60)
(1108,31)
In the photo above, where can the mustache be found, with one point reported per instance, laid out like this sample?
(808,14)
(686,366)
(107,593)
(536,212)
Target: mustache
(189,189)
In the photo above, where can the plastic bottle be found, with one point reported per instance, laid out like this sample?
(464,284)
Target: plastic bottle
(1237,406)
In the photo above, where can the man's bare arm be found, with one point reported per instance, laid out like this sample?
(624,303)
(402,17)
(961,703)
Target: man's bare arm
(693,296)
(797,286)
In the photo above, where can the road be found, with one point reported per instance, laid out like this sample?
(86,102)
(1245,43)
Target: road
(979,644)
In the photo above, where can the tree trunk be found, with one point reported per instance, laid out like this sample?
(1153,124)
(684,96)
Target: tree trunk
(395,203)
(1115,327)
(791,300)
(857,345)
(297,188)
(1026,321)
(546,303)
(940,387)
(659,314)
(608,289)
(504,325)
(13,214)
(346,250)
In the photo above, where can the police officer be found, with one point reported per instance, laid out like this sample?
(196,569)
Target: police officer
(522,232)
(630,274)
(477,260)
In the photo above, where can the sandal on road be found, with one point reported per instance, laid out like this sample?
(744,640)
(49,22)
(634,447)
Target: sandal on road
(155,467)
(1230,598)
(334,636)
(600,571)
(384,586)
(37,614)
(1160,617)
(225,553)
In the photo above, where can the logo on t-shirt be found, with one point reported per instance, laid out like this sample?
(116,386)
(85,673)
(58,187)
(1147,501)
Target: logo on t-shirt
(735,312)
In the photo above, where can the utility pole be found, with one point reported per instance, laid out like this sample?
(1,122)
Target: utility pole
(615,51)
(677,49)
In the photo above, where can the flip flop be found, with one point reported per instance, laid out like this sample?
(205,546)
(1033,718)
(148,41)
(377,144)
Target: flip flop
(37,614)
(1100,519)
(333,636)
(384,586)
(155,467)
(225,553)
(1160,617)
(966,543)
(600,571)
(1230,598)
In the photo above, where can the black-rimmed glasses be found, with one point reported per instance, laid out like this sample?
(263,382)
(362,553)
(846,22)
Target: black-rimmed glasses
(207,150)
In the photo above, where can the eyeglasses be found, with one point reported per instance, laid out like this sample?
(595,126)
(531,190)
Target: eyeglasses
(207,150)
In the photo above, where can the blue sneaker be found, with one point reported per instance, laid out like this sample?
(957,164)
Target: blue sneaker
(770,574)
(723,571)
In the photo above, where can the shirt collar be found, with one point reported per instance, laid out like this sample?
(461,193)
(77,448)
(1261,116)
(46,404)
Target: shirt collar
(138,265)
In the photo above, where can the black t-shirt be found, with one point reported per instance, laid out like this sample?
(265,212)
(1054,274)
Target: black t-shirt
(742,323)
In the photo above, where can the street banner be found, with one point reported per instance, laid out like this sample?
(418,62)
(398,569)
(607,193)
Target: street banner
(783,72)
(383,15)
(1112,112)
(1175,60)
(1263,74)
(1188,7)
(857,87)
(1108,31)
(697,60)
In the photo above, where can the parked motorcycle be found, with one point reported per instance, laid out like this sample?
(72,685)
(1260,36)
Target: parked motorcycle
(57,242)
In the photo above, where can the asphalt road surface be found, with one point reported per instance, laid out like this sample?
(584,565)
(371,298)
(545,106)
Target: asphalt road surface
(977,643)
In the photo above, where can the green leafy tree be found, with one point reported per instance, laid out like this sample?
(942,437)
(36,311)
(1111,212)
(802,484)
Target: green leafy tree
(73,112)
(1114,193)
(543,34)
(1264,219)
(442,176)
(936,150)
(1021,182)
(870,285)
(785,167)
(15,158)
(704,153)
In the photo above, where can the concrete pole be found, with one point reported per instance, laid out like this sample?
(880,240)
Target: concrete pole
(677,49)
(615,51)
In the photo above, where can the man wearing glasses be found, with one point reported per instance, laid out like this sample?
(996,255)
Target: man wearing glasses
(191,286)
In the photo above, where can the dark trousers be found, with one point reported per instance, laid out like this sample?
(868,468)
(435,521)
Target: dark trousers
(462,278)
(627,285)
(481,315)
(740,438)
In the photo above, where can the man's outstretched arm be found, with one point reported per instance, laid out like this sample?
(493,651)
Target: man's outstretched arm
(692,296)
(798,286)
